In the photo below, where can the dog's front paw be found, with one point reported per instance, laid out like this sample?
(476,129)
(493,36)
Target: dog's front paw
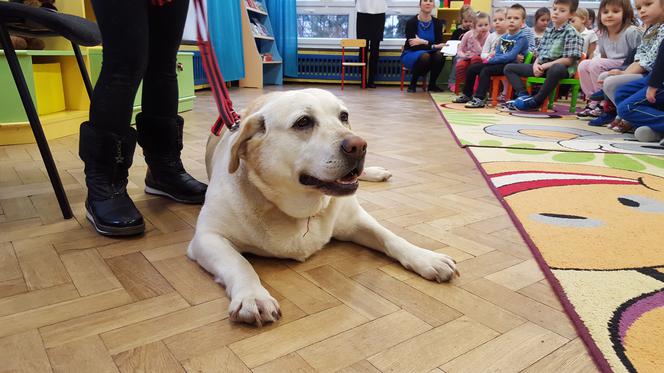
(255,306)
(432,265)
(375,174)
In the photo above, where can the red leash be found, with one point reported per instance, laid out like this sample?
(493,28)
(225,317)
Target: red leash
(227,116)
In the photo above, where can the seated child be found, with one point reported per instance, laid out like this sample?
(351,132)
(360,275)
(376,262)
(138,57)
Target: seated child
(542,19)
(467,23)
(652,14)
(470,49)
(589,36)
(557,54)
(511,45)
(500,28)
(641,103)
(617,38)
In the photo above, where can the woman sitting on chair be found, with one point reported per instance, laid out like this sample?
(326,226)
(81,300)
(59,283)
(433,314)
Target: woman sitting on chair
(424,40)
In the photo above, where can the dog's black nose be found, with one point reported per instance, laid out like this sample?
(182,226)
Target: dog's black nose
(354,147)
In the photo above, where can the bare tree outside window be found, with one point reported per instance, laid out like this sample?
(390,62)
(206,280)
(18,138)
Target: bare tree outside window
(395,26)
(322,26)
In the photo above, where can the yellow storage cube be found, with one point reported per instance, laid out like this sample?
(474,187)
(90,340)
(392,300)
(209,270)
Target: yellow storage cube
(48,88)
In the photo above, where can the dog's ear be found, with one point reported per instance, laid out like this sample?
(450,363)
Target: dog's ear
(248,128)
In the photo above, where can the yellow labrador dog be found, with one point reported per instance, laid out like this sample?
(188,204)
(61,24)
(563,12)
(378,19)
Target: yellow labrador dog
(282,186)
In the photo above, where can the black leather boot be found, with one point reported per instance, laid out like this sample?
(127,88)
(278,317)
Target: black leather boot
(107,158)
(161,139)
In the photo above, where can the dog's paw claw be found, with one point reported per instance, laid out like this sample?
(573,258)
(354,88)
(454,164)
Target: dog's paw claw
(257,308)
(433,266)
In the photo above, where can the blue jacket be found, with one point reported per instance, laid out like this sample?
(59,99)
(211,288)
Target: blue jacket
(509,47)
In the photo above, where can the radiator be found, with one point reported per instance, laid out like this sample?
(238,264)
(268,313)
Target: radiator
(326,65)
(320,65)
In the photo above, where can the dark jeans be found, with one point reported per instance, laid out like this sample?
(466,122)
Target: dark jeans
(140,43)
(554,75)
(373,50)
(485,72)
(431,63)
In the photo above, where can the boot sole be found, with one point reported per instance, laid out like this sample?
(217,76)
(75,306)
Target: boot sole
(157,192)
(114,231)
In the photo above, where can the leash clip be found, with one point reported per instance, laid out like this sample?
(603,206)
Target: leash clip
(235,126)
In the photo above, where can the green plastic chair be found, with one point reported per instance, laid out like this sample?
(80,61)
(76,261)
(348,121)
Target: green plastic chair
(574,82)
(497,79)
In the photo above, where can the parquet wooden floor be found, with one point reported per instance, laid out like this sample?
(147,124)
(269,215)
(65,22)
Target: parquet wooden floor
(74,301)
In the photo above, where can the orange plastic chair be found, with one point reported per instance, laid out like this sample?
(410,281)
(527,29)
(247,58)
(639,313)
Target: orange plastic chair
(353,43)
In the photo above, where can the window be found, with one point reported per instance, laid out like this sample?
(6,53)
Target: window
(321,23)
(322,26)
(395,26)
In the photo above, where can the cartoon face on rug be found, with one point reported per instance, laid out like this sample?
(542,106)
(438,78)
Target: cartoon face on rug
(574,138)
(577,214)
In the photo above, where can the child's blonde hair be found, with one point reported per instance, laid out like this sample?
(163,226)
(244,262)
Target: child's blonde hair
(582,13)
(500,10)
(466,12)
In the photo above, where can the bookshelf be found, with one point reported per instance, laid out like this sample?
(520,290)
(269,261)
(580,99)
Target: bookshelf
(262,60)
(56,86)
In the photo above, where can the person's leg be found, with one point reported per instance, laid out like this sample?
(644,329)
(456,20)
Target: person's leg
(635,109)
(451,80)
(107,141)
(160,129)
(613,82)
(472,73)
(160,84)
(437,63)
(420,68)
(596,68)
(554,75)
(460,72)
(585,77)
(374,55)
(514,72)
(124,62)
(485,79)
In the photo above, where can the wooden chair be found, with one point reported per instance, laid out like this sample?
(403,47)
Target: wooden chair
(353,43)
(497,79)
(548,102)
(78,31)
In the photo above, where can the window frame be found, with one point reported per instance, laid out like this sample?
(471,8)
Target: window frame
(347,7)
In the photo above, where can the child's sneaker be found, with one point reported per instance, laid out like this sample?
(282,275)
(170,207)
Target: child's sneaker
(462,99)
(604,119)
(475,103)
(597,96)
(584,114)
(620,126)
(507,106)
(526,103)
(596,112)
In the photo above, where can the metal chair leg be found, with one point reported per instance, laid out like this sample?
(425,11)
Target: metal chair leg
(84,71)
(35,124)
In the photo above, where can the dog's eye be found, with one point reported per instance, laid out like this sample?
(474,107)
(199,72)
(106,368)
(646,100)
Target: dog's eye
(343,116)
(303,123)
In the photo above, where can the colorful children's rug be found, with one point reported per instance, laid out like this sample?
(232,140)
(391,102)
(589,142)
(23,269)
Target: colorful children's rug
(557,130)
(594,222)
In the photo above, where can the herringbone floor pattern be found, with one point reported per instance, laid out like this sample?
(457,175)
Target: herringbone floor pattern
(73,301)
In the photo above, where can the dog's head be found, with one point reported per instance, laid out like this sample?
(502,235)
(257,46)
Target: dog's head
(299,142)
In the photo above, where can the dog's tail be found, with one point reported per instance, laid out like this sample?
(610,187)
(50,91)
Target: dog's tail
(209,153)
